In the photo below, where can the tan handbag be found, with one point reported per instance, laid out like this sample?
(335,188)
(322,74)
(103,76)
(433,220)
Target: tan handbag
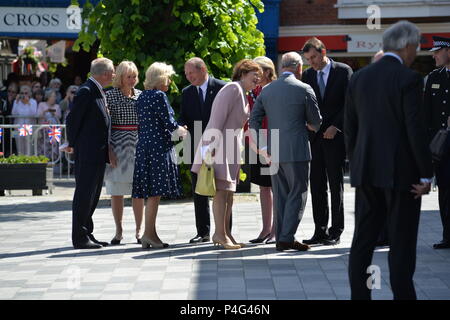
(206,183)
(437,145)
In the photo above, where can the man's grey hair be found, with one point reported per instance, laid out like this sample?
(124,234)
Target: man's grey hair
(101,66)
(291,60)
(399,35)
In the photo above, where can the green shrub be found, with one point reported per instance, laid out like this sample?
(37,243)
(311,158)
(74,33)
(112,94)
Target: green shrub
(13,159)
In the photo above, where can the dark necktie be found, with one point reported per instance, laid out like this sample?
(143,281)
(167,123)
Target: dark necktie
(321,84)
(200,97)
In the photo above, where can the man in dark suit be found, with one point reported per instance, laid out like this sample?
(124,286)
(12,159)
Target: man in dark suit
(329,79)
(437,106)
(196,103)
(390,163)
(88,133)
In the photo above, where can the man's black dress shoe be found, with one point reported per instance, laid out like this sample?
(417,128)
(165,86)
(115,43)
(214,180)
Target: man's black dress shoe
(332,240)
(382,243)
(442,245)
(281,246)
(198,239)
(92,238)
(315,240)
(87,245)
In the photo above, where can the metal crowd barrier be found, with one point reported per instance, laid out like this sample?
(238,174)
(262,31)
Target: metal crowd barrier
(37,142)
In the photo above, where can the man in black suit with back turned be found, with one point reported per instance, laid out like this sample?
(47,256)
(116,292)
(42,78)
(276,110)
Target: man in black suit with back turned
(88,133)
(196,103)
(329,79)
(390,162)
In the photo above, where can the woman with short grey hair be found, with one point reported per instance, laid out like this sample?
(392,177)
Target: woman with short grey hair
(24,109)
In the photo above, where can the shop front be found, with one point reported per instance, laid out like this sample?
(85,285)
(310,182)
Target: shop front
(36,39)
(355,45)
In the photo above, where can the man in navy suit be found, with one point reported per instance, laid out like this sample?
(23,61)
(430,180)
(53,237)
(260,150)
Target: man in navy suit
(88,133)
(196,103)
(390,161)
(329,79)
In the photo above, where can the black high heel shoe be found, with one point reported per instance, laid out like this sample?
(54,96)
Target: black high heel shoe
(260,240)
(116,241)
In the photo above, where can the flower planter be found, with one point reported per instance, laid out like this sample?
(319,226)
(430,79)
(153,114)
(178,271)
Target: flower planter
(25,176)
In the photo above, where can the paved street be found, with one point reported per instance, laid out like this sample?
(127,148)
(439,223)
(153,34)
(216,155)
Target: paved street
(37,260)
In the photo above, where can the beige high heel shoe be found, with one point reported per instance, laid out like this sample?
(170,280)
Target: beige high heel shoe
(147,243)
(224,245)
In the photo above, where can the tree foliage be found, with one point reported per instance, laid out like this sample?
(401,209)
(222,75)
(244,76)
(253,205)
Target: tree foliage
(221,32)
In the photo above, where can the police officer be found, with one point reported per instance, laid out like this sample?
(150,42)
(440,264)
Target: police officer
(437,106)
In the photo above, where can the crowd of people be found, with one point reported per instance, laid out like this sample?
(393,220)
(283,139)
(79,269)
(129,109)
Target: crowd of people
(30,102)
(380,118)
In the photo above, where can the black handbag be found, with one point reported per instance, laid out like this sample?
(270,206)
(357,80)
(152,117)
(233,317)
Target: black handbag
(437,145)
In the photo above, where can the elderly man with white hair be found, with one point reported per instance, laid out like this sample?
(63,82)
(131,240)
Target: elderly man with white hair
(390,163)
(291,109)
(88,132)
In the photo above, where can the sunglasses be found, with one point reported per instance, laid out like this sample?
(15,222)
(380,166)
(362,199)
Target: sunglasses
(26,93)
(12,91)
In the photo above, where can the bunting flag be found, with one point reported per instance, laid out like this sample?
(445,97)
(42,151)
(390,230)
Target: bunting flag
(26,130)
(1,134)
(54,133)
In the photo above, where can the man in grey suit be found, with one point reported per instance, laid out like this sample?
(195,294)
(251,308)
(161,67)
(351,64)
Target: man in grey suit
(291,109)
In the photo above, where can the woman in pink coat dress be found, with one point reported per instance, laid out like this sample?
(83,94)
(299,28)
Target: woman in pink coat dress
(222,140)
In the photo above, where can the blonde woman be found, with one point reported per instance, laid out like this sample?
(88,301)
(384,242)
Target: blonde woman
(121,102)
(156,172)
(267,233)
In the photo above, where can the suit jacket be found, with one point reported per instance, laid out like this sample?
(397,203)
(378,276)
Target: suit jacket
(332,105)
(191,110)
(289,105)
(88,125)
(385,135)
(229,112)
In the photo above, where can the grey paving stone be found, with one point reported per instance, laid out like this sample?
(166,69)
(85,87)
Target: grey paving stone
(43,266)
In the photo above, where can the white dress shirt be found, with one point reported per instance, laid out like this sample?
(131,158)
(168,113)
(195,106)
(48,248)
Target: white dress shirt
(326,72)
(204,88)
(395,56)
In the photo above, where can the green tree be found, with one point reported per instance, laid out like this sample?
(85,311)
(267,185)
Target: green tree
(221,32)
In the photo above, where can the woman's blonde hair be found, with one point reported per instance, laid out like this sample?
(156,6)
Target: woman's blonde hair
(267,64)
(157,74)
(124,68)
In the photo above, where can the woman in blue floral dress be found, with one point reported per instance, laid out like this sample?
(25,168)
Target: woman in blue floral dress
(156,172)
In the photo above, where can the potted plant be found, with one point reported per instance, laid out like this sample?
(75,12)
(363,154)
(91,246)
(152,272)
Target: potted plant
(24,172)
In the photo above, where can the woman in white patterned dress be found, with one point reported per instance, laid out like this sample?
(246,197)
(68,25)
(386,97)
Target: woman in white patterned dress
(119,180)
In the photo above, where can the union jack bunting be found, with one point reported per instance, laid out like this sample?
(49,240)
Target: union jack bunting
(1,133)
(26,130)
(54,133)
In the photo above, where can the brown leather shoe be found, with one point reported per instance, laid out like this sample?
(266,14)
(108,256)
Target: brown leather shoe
(281,246)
